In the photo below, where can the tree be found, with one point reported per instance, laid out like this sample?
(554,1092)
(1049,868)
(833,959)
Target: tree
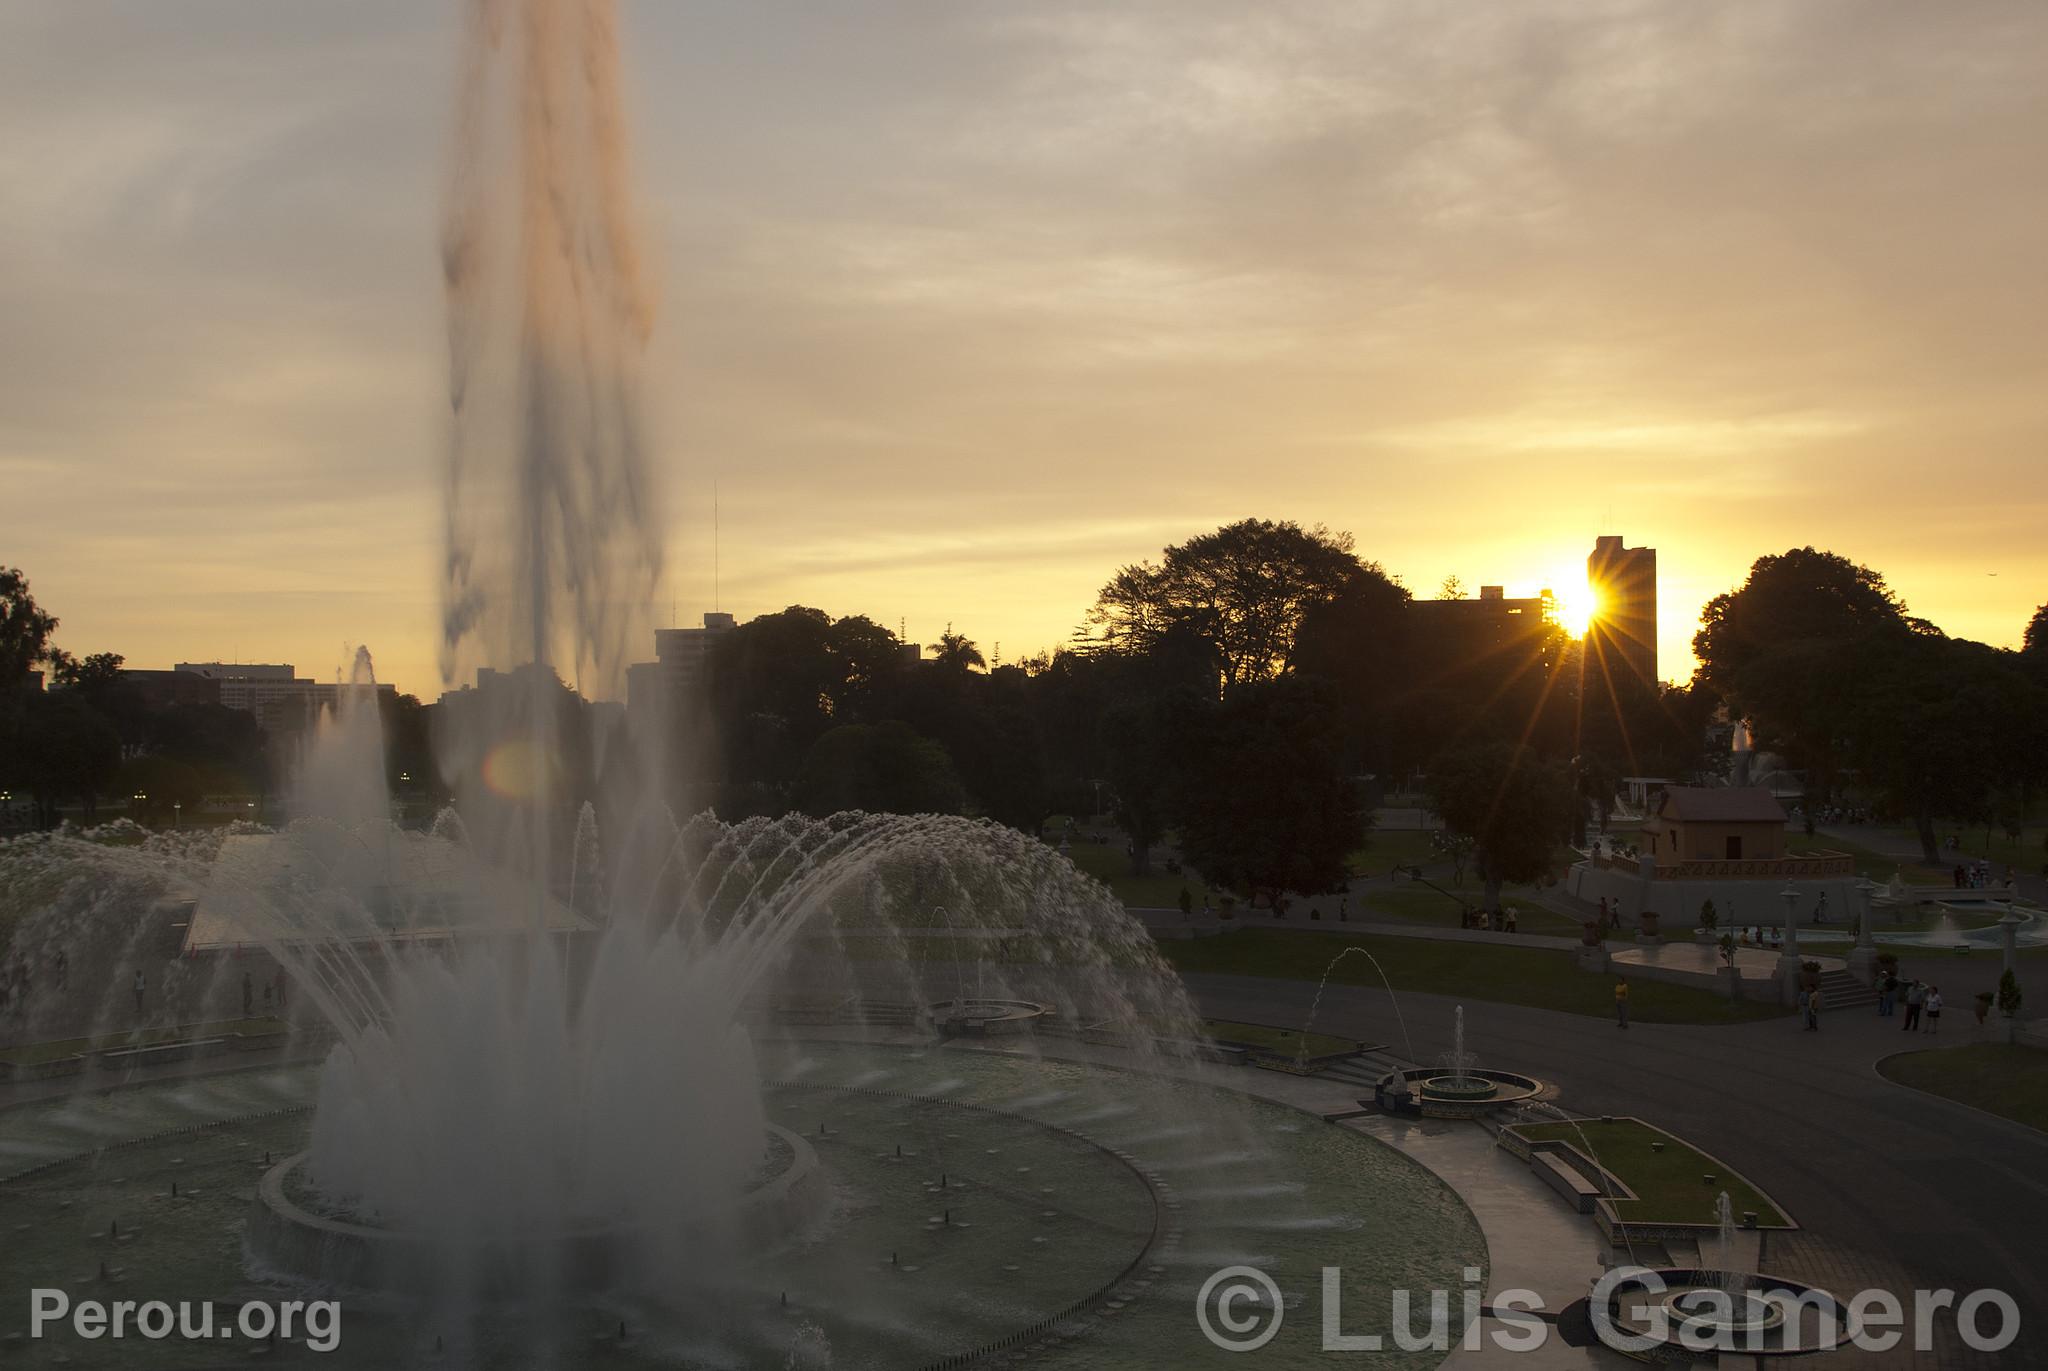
(1148,728)
(1358,641)
(25,630)
(1244,588)
(1939,728)
(1773,649)
(2034,645)
(67,752)
(1799,596)
(887,767)
(1512,804)
(955,652)
(1451,589)
(1266,807)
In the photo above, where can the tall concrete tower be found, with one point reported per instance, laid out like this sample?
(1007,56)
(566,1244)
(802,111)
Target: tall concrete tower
(1623,634)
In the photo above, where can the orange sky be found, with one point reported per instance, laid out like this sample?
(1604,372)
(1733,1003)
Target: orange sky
(963,306)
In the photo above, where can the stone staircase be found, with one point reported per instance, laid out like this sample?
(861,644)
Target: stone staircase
(1840,990)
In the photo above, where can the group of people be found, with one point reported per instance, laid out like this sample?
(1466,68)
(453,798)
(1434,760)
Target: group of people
(17,982)
(274,992)
(1922,1001)
(1977,876)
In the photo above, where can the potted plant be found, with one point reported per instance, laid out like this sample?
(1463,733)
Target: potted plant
(2009,996)
(1809,975)
(1983,1004)
(1647,922)
(1729,973)
(1710,923)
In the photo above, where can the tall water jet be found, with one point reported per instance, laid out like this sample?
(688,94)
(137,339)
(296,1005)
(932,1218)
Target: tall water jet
(553,547)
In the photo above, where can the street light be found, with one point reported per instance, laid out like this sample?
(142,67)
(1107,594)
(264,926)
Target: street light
(177,814)
(1789,969)
(1863,957)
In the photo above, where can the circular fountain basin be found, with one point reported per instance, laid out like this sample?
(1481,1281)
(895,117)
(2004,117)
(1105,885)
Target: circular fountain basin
(986,1017)
(1462,1087)
(289,1238)
(1709,1311)
(1440,1093)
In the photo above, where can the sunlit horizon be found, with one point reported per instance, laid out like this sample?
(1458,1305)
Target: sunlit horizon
(945,359)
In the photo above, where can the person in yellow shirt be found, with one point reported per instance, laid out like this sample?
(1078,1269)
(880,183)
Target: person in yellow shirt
(1621,1003)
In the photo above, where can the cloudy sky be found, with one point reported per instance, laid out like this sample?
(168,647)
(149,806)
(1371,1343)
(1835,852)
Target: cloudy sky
(964,304)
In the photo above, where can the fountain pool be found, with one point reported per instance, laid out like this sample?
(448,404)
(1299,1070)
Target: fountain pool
(964,1199)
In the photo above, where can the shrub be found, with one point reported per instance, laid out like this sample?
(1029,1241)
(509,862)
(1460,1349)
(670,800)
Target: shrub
(2009,996)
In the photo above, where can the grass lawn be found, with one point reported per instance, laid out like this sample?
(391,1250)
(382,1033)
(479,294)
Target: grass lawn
(1668,1184)
(2008,1081)
(1107,863)
(1406,902)
(32,1053)
(1541,978)
(1386,848)
(1284,1041)
(1870,864)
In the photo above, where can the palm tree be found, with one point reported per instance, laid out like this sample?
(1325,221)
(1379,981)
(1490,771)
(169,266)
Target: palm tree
(957,652)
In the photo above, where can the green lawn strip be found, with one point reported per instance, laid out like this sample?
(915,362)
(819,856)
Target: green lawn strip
(1541,978)
(1282,1041)
(2011,1082)
(1386,848)
(1668,1185)
(1108,863)
(1409,902)
(31,1054)
(1870,863)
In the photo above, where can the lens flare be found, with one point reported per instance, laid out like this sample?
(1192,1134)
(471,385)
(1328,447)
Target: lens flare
(515,770)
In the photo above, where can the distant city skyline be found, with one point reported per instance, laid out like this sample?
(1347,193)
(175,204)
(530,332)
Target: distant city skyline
(963,308)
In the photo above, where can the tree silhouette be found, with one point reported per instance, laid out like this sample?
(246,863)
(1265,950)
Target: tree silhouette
(956,652)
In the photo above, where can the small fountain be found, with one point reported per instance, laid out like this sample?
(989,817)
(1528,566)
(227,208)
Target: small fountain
(1721,1308)
(1456,1087)
(1462,1082)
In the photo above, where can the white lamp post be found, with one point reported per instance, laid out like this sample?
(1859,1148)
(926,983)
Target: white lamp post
(1788,956)
(1863,957)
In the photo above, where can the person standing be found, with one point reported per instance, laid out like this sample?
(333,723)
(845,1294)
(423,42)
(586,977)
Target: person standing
(248,994)
(1887,995)
(1621,1003)
(1934,1010)
(1813,1010)
(1916,997)
(141,986)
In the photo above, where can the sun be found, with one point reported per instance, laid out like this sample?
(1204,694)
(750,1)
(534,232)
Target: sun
(1574,603)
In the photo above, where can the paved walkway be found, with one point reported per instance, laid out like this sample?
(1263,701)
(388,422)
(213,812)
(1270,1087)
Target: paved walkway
(1893,1186)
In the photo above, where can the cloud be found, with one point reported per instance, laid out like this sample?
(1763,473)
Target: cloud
(1024,292)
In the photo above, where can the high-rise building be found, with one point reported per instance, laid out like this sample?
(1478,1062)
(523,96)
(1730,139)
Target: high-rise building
(282,700)
(1492,635)
(1622,637)
(682,653)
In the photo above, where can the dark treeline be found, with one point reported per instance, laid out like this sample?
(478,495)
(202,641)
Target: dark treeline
(97,733)
(1249,694)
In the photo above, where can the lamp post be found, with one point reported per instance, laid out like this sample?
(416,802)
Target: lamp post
(177,814)
(1788,957)
(2008,936)
(1863,957)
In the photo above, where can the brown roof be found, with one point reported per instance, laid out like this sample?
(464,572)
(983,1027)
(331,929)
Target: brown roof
(1720,804)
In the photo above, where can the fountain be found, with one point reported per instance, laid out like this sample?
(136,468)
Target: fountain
(583,1065)
(1456,1087)
(1721,1309)
(1461,1081)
